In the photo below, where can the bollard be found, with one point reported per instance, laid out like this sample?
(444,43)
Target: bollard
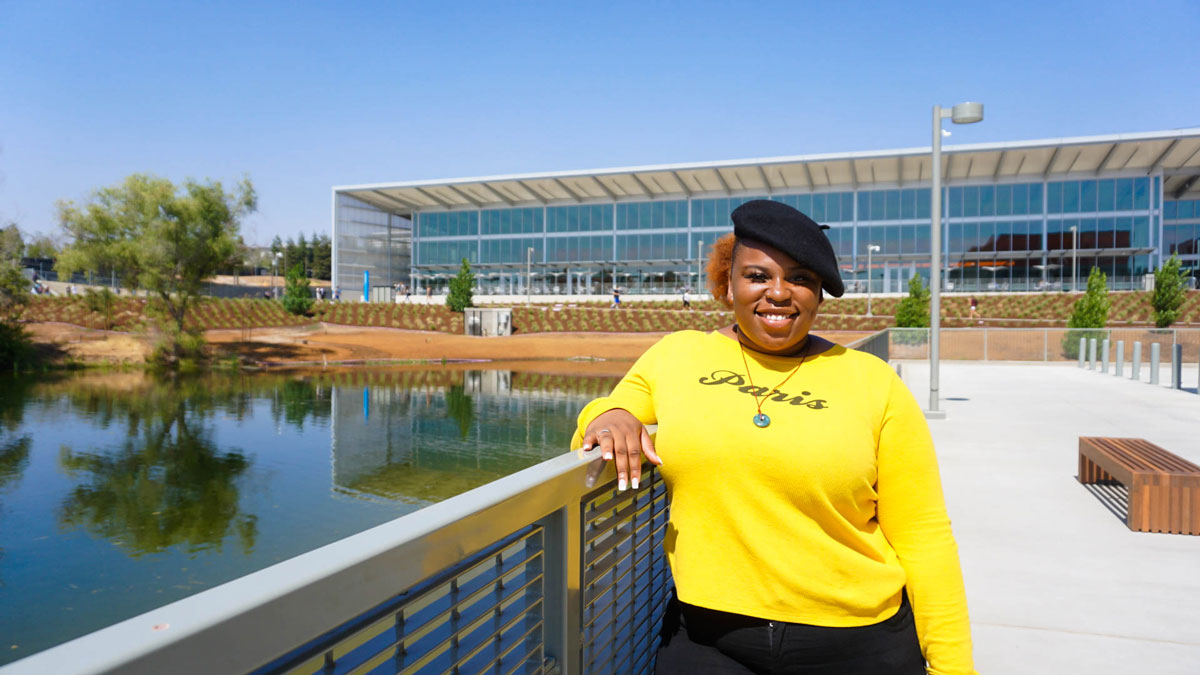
(1120,359)
(1082,350)
(1137,362)
(1104,360)
(1177,366)
(1092,354)
(1155,350)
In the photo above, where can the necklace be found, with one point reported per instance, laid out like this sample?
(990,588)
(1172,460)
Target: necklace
(761,420)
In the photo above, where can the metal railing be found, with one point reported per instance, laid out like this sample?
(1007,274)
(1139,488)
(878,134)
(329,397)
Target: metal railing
(876,343)
(533,573)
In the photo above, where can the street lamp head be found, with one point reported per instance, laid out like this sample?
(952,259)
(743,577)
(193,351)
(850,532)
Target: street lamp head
(967,113)
(1072,228)
(873,249)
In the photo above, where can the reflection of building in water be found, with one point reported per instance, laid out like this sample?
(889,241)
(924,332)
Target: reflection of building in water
(420,444)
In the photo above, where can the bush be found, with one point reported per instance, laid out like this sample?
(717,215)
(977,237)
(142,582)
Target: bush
(16,349)
(460,297)
(297,299)
(181,349)
(913,311)
(1169,292)
(1090,312)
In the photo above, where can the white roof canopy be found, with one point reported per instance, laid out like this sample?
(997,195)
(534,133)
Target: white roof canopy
(1175,153)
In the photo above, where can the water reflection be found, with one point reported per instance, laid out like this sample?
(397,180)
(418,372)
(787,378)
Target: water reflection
(120,492)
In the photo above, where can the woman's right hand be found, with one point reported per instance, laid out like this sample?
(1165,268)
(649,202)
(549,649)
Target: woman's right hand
(623,439)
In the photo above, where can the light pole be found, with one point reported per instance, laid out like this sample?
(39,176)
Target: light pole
(963,113)
(1074,258)
(528,274)
(699,264)
(274,263)
(870,249)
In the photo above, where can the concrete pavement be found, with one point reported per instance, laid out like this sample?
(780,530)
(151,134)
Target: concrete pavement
(1056,583)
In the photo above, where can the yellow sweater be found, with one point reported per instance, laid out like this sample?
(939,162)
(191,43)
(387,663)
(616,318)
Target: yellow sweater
(825,516)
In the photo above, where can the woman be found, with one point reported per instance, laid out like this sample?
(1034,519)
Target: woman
(808,532)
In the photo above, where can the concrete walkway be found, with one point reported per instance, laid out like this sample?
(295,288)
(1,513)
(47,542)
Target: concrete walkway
(1056,583)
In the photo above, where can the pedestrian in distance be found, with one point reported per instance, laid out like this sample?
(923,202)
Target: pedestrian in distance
(807,531)
(616,298)
(687,304)
(975,309)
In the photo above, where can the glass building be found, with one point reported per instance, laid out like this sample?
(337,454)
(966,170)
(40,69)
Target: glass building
(1016,216)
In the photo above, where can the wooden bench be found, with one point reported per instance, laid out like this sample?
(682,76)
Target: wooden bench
(1164,488)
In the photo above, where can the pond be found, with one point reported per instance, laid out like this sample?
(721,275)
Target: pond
(121,492)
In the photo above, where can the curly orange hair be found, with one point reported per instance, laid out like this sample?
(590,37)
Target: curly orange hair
(720,260)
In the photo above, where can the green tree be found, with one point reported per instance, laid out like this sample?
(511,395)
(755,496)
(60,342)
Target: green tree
(297,298)
(164,238)
(460,289)
(16,347)
(322,256)
(12,245)
(1089,313)
(41,247)
(913,311)
(1169,292)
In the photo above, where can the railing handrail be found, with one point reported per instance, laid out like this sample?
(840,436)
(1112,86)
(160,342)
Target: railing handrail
(258,617)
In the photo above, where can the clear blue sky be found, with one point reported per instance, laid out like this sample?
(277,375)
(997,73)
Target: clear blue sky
(302,96)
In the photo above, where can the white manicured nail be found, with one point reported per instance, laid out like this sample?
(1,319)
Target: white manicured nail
(634,482)
(621,485)
(608,455)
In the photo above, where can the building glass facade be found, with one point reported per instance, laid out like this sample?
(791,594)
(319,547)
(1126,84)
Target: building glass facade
(1016,216)
(996,237)
(369,239)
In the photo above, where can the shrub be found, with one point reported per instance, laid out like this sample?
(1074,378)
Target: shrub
(297,299)
(913,311)
(459,297)
(1090,312)
(1168,294)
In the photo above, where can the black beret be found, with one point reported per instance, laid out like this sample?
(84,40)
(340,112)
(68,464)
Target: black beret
(783,227)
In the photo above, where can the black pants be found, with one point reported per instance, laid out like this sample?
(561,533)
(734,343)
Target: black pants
(698,641)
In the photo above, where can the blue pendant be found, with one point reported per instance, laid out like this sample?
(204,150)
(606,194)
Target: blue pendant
(761,420)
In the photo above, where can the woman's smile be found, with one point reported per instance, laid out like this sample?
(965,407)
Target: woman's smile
(774,298)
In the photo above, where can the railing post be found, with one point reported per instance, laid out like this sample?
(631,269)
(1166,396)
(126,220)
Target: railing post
(1176,366)
(1104,360)
(1120,359)
(1136,375)
(1092,354)
(1082,351)
(563,600)
(1155,351)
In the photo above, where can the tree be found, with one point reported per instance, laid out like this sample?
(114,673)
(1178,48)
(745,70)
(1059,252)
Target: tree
(1169,292)
(41,247)
(164,238)
(297,299)
(12,246)
(16,346)
(460,289)
(304,254)
(322,256)
(913,311)
(1089,312)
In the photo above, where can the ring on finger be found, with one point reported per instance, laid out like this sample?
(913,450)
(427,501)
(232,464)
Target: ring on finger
(604,431)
